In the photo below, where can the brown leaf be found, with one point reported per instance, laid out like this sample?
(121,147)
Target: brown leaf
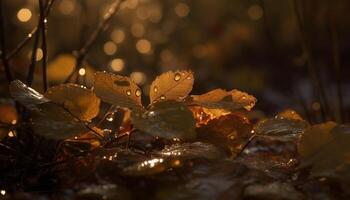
(229,132)
(166,119)
(171,86)
(54,122)
(228,100)
(80,101)
(117,90)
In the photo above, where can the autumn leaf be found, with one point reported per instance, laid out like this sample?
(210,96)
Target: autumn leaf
(171,86)
(166,119)
(326,148)
(117,90)
(221,99)
(80,101)
(54,122)
(26,96)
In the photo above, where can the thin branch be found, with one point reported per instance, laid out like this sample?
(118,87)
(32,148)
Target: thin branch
(311,66)
(43,43)
(82,53)
(30,35)
(3,47)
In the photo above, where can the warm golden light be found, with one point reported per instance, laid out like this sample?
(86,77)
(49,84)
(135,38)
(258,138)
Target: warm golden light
(143,46)
(138,77)
(82,71)
(24,15)
(118,36)
(110,48)
(67,7)
(182,10)
(117,64)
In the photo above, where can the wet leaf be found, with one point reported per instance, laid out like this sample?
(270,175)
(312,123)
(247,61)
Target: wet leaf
(149,167)
(326,148)
(274,190)
(190,151)
(26,96)
(166,119)
(229,132)
(171,86)
(80,101)
(222,99)
(102,192)
(280,127)
(289,114)
(117,90)
(54,122)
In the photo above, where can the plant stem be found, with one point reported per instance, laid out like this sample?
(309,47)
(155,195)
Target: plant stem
(43,43)
(82,53)
(325,110)
(30,35)
(3,46)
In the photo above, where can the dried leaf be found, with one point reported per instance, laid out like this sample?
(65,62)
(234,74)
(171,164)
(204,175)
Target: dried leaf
(171,86)
(289,114)
(80,101)
(326,148)
(314,138)
(221,99)
(25,95)
(54,122)
(117,90)
(229,132)
(166,119)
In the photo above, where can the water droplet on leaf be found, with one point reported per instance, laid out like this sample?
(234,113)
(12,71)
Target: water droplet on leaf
(177,77)
(138,93)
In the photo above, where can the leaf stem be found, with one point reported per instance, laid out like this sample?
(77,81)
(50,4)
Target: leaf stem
(43,44)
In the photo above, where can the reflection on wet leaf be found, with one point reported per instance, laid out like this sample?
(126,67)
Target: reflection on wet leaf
(25,95)
(166,119)
(275,190)
(280,127)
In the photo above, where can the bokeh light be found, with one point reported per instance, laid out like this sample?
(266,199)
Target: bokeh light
(137,30)
(144,46)
(24,15)
(110,48)
(118,36)
(117,64)
(82,71)
(255,12)
(138,77)
(182,10)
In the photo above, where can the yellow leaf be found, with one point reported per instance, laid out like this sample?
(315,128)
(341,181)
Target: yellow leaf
(81,102)
(228,100)
(60,68)
(171,86)
(117,90)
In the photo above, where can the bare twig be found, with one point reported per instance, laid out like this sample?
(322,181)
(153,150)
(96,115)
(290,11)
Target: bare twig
(82,53)
(43,43)
(3,47)
(318,85)
(30,35)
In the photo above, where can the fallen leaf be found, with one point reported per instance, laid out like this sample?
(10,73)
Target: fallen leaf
(166,119)
(80,101)
(117,90)
(221,99)
(280,127)
(26,96)
(54,122)
(171,86)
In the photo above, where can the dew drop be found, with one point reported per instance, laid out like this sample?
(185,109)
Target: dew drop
(155,89)
(110,117)
(128,92)
(138,93)
(162,97)
(188,78)
(177,77)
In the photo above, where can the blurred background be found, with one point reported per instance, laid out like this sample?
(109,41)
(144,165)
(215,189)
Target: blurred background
(257,46)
